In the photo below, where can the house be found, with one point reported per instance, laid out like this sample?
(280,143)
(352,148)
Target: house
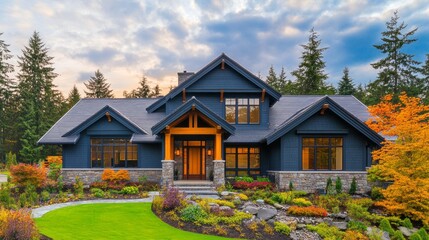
(220,122)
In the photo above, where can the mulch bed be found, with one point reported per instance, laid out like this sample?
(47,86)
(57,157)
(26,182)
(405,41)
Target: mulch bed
(241,231)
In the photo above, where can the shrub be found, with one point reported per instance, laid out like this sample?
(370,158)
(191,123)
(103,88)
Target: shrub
(20,226)
(356,226)
(98,193)
(253,185)
(10,160)
(262,179)
(329,202)
(224,203)
(385,226)
(54,171)
(157,203)
(291,187)
(28,174)
(282,228)
(326,232)
(376,193)
(282,197)
(397,235)
(407,223)
(5,195)
(243,197)
(108,175)
(172,199)
(310,211)
(301,202)
(142,179)
(415,236)
(338,185)
(243,179)
(45,196)
(328,183)
(122,175)
(78,186)
(29,197)
(353,187)
(354,235)
(101,185)
(423,234)
(192,213)
(131,190)
(54,159)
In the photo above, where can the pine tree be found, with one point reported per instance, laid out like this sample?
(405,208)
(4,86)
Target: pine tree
(310,75)
(346,85)
(425,80)
(98,87)
(397,70)
(272,78)
(6,92)
(37,97)
(73,97)
(143,91)
(156,91)
(361,93)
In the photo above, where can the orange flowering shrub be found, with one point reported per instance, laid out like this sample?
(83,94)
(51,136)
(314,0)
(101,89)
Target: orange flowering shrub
(354,235)
(404,161)
(310,211)
(54,159)
(109,175)
(27,174)
(17,225)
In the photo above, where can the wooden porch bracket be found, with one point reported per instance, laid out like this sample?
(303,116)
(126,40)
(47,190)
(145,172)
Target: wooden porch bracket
(222,64)
(324,107)
(221,95)
(263,95)
(109,118)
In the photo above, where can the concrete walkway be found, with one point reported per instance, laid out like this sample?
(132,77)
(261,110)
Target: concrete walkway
(39,212)
(3,178)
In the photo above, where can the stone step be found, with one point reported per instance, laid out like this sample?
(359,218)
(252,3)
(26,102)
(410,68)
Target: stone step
(199,192)
(194,188)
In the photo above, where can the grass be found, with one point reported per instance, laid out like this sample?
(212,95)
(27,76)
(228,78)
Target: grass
(110,221)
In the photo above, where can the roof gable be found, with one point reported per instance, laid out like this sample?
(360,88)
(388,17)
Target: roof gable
(192,103)
(222,59)
(305,113)
(102,113)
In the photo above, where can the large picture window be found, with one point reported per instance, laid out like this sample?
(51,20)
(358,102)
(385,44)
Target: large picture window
(242,161)
(322,153)
(242,110)
(113,152)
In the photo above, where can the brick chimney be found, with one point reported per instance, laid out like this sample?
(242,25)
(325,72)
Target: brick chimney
(183,76)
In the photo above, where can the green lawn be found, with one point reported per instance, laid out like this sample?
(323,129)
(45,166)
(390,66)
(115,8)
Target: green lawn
(110,221)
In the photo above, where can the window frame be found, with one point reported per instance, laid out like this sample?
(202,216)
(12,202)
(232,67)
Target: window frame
(236,155)
(237,104)
(330,146)
(130,150)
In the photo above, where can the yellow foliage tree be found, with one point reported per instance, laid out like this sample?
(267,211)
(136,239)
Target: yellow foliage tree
(404,161)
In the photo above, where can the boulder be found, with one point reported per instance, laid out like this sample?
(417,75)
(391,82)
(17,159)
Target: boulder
(376,231)
(340,225)
(405,231)
(278,206)
(224,193)
(266,213)
(251,209)
(260,201)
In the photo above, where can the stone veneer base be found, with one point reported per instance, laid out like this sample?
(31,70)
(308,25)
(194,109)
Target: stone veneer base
(90,175)
(311,181)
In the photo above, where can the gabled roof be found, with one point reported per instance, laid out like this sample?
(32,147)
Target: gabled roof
(197,76)
(102,113)
(303,114)
(186,107)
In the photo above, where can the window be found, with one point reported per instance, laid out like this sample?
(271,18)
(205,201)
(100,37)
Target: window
(242,161)
(113,152)
(242,110)
(322,153)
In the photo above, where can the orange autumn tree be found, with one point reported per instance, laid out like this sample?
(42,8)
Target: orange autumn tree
(404,161)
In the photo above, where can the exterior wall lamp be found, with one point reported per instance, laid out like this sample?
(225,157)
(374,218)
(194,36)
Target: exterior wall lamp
(177,151)
(209,152)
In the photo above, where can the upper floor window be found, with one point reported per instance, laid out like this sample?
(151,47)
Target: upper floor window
(113,152)
(322,153)
(242,110)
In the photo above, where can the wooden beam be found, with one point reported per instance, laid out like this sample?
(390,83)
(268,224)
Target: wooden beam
(263,95)
(184,95)
(193,131)
(221,95)
(222,64)
(218,147)
(109,118)
(168,155)
(324,108)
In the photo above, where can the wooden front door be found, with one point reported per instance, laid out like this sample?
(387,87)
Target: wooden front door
(194,163)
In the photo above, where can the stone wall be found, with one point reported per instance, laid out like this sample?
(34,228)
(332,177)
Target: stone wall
(311,181)
(90,175)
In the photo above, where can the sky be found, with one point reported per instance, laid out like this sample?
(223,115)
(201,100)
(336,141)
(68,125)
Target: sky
(128,39)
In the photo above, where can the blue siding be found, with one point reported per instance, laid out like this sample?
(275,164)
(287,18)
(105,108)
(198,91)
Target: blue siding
(274,156)
(77,156)
(150,155)
(227,79)
(355,155)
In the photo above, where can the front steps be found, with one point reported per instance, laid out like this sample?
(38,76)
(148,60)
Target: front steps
(196,187)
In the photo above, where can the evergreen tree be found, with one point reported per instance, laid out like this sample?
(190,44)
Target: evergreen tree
(37,97)
(346,85)
(397,70)
(98,87)
(361,93)
(143,91)
(156,91)
(73,97)
(425,80)
(310,75)
(272,78)
(279,83)
(6,92)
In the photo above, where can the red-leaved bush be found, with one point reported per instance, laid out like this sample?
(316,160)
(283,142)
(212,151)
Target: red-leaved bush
(253,185)
(172,198)
(17,225)
(310,211)
(28,174)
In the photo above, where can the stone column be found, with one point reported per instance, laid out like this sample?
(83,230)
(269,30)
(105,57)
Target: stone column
(219,172)
(167,173)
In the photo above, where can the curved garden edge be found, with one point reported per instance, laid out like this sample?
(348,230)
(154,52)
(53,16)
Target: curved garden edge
(40,211)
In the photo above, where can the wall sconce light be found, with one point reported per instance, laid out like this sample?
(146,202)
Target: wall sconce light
(177,151)
(209,152)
